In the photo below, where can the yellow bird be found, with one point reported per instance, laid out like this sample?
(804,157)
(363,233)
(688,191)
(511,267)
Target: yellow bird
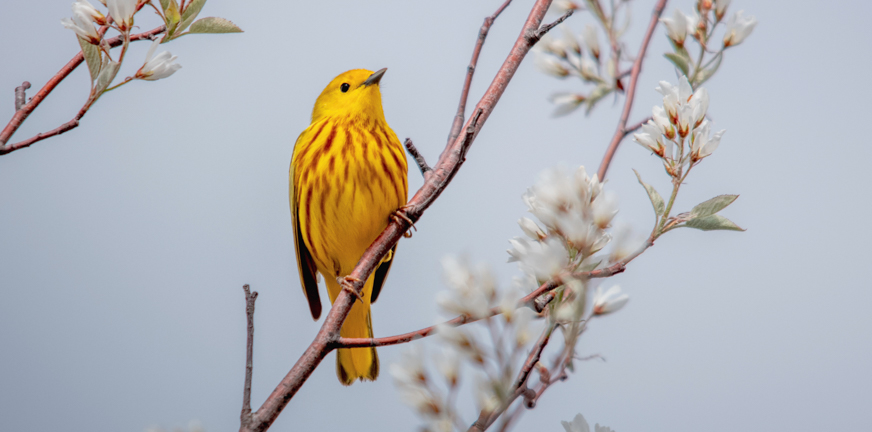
(347,177)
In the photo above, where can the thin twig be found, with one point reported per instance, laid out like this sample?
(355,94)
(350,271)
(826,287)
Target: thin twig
(419,158)
(520,387)
(21,115)
(445,169)
(621,131)
(470,70)
(250,297)
(21,95)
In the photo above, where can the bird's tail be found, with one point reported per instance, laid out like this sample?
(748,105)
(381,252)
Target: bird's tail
(354,363)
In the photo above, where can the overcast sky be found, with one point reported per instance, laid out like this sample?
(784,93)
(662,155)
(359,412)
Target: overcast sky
(125,242)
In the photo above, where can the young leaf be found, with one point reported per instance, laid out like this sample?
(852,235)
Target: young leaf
(214,25)
(712,206)
(711,223)
(93,57)
(172,17)
(599,92)
(703,75)
(656,199)
(679,62)
(190,14)
(164,4)
(105,78)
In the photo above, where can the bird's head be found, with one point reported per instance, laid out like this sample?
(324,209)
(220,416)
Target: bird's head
(353,93)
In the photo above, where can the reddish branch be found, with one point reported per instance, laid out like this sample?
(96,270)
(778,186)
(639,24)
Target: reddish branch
(470,70)
(622,129)
(21,115)
(449,163)
(419,158)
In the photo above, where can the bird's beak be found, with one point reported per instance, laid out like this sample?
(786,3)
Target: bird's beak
(375,77)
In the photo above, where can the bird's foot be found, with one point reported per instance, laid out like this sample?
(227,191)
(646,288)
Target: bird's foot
(346,283)
(399,214)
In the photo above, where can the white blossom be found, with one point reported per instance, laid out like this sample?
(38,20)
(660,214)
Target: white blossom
(562,6)
(87,8)
(676,27)
(609,301)
(551,65)
(409,371)
(82,23)
(122,12)
(551,45)
(460,340)
(738,28)
(591,39)
(588,69)
(542,259)
(651,137)
(721,8)
(569,41)
(658,114)
(566,103)
(702,144)
(578,424)
(470,292)
(157,67)
(699,103)
(674,97)
(448,365)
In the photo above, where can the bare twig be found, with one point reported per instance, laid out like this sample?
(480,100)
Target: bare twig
(21,115)
(250,297)
(621,131)
(447,166)
(470,70)
(21,95)
(419,158)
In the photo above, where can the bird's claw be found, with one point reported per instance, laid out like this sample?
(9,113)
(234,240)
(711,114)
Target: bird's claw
(399,214)
(346,284)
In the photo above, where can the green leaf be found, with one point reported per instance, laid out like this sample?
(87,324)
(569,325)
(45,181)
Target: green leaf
(679,62)
(711,223)
(172,17)
(190,14)
(703,75)
(712,206)
(214,25)
(105,78)
(164,4)
(93,57)
(656,199)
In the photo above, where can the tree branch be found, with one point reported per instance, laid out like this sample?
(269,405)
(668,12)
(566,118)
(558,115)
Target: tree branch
(21,95)
(622,131)
(419,158)
(250,297)
(470,70)
(446,168)
(21,115)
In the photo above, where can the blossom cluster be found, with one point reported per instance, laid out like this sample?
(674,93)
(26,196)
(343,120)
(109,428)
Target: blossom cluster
(119,16)
(678,132)
(579,56)
(575,214)
(708,14)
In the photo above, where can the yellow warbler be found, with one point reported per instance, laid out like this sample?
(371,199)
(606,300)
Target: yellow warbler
(347,177)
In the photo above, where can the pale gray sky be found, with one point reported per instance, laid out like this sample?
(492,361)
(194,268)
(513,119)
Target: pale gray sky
(126,241)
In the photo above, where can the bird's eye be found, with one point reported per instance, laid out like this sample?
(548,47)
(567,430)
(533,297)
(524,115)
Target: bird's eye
(344,87)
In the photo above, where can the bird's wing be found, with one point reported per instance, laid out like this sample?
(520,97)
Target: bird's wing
(381,273)
(305,263)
